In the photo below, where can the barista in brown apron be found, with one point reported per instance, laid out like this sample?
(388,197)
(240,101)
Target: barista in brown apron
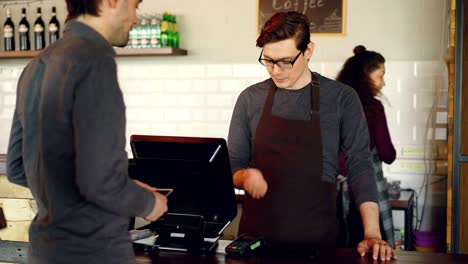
(299,207)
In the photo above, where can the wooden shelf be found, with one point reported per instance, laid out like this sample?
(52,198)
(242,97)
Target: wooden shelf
(121,52)
(18,54)
(151,52)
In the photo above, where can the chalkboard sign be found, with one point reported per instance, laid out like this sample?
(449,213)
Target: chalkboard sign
(327,17)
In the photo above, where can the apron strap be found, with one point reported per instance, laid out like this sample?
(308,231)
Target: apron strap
(315,94)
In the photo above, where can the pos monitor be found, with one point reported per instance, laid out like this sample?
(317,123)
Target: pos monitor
(202,203)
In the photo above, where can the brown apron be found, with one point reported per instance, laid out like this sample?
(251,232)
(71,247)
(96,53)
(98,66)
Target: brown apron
(298,208)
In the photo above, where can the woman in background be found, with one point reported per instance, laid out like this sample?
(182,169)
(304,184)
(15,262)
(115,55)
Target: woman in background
(364,72)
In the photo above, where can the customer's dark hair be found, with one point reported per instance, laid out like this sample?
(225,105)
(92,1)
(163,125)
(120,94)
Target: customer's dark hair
(356,71)
(80,7)
(285,25)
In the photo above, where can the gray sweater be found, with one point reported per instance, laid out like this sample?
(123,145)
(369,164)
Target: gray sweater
(67,144)
(343,126)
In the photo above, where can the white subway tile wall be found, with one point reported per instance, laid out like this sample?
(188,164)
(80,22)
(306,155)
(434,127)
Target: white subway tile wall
(220,70)
(197,100)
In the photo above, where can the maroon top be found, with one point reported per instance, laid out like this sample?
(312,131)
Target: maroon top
(378,133)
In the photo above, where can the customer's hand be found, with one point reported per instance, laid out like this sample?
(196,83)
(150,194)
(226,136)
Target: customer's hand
(379,249)
(160,207)
(145,186)
(254,183)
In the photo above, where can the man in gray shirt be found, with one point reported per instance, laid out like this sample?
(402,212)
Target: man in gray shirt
(284,139)
(67,142)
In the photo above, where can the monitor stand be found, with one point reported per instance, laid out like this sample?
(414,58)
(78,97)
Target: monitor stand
(189,242)
(184,232)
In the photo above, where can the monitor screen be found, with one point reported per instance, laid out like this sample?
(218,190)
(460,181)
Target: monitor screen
(198,172)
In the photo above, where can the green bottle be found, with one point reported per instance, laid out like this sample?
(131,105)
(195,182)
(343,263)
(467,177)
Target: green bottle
(170,31)
(164,30)
(176,33)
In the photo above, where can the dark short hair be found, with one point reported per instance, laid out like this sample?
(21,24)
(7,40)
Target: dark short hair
(285,25)
(80,7)
(356,71)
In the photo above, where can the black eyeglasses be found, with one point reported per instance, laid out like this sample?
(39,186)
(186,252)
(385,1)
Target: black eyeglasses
(282,64)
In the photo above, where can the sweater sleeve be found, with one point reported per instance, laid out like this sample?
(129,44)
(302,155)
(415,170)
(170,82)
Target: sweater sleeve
(239,138)
(99,132)
(355,145)
(15,168)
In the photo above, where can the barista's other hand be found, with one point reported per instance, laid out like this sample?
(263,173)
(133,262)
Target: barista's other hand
(254,183)
(160,207)
(379,249)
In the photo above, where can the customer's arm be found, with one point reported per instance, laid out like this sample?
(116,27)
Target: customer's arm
(99,133)
(15,168)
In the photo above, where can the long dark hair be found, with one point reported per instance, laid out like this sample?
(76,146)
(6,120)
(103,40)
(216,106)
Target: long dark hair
(76,8)
(285,25)
(356,71)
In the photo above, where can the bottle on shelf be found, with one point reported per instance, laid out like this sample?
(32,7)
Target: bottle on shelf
(39,32)
(170,30)
(164,30)
(144,33)
(176,37)
(155,31)
(23,29)
(9,33)
(133,37)
(54,27)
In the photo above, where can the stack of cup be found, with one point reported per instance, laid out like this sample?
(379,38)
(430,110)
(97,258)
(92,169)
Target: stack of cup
(426,241)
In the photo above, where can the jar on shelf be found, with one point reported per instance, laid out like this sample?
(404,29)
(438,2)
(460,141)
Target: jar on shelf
(394,190)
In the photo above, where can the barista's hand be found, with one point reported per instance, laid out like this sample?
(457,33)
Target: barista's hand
(379,249)
(160,207)
(254,183)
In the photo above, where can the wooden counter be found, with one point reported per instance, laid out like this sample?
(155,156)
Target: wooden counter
(19,208)
(17,252)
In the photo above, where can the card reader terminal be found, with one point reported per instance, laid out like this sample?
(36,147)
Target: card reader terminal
(245,244)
